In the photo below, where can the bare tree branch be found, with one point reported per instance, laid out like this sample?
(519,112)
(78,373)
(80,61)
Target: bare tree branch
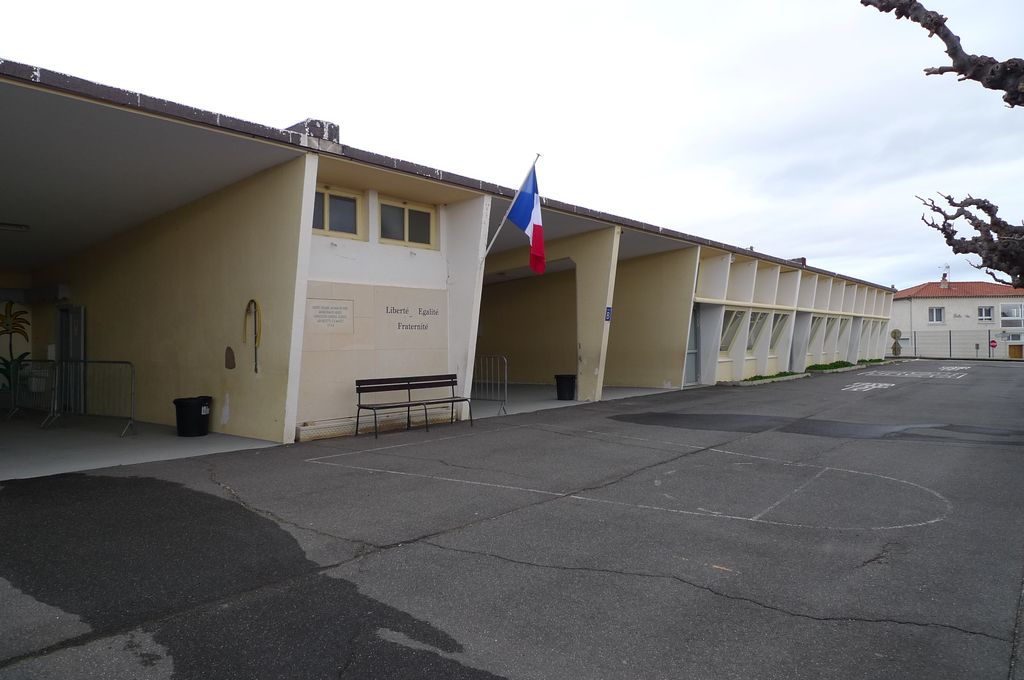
(999,244)
(1005,76)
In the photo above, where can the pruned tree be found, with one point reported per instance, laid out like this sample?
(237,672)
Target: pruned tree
(999,244)
(1006,76)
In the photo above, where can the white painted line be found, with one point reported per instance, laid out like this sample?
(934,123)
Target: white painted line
(789,495)
(440,479)
(915,374)
(417,443)
(568,431)
(757,519)
(867,387)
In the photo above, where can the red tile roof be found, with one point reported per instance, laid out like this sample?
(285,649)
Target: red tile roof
(933,289)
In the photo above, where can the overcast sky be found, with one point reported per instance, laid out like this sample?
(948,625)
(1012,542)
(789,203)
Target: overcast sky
(798,127)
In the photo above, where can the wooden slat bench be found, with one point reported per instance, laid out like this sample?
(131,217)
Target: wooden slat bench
(409,384)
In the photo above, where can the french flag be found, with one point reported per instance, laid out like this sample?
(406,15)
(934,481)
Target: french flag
(525,214)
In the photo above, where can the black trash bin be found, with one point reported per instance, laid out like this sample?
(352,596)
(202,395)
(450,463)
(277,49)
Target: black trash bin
(193,416)
(565,385)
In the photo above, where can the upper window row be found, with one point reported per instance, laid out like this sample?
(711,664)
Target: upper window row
(341,213)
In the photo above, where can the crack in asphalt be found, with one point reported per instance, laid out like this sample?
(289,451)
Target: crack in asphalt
(719,593)
(883,555)
(237,498)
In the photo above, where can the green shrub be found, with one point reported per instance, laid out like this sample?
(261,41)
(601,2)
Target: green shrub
(781,374)
(826,367)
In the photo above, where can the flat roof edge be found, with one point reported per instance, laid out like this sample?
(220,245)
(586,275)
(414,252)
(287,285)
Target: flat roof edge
(81,87)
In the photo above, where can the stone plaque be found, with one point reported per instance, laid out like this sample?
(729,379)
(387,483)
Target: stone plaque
(329,316)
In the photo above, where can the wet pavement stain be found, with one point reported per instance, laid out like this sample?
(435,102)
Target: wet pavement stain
(738,422)
(226,592)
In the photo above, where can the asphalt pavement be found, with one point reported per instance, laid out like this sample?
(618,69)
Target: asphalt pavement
(865,524)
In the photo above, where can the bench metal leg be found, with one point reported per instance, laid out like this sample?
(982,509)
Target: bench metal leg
(374,423)
(426,418)
(358,411)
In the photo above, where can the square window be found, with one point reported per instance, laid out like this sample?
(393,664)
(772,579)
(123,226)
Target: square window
(338,213)
(984,313)
(1011,315)
(392,222)
(419,226)
(342,210)
(408,223)
(936,314)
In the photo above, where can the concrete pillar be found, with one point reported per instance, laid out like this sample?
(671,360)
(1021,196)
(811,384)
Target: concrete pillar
(596,256)
(464,225)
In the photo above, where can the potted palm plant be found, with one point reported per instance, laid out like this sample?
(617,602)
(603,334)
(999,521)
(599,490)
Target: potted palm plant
(12,323)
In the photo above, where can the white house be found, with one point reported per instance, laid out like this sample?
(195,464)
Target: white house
(960,319)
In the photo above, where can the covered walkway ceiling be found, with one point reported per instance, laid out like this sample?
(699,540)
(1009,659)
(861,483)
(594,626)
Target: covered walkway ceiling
(75,172)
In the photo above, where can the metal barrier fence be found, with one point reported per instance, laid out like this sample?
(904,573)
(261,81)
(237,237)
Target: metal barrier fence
(33,386)
(962,344)
(490,380)
(87,388)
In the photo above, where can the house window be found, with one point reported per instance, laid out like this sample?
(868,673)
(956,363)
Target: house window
(1011,315)
(730,326)
(408,223)
(936,315)
(757,320)
(984,313)
(778,325)
(337,212)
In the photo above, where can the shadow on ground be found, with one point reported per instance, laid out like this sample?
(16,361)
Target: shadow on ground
(224,591)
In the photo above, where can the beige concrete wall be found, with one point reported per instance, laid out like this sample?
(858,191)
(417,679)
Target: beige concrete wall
(532,321)
(357,331)
(650,321)
(170,296)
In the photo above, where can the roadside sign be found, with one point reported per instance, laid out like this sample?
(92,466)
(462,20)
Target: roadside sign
(993,344)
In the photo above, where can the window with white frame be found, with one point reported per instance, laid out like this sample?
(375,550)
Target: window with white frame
(1011,315)
(730,326)
(757,321)
(410,224)
(985,313)
(778,325)
(338,212)
(936,315)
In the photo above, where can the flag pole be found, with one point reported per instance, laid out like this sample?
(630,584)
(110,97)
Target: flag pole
(505,217)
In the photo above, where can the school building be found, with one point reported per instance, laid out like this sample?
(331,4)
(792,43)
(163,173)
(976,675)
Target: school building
(271,268)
